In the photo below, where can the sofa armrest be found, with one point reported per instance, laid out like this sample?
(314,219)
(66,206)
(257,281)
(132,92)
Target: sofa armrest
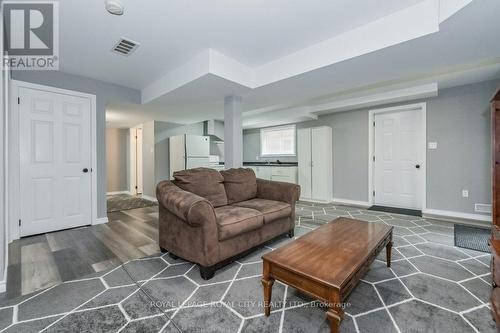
(278,191)
(187,206)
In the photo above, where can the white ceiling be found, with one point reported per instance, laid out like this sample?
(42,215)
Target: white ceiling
(171,32)
(276,54)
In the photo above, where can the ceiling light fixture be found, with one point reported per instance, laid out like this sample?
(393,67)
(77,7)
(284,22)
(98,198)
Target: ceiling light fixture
(114,7)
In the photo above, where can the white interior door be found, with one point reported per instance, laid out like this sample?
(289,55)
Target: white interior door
(55,161)
(399,159)
(304,162)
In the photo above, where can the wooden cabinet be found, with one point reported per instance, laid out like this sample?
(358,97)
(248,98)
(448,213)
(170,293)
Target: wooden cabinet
(315,169)
(495,232)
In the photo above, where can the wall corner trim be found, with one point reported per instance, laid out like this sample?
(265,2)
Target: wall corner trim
(340,201)
(101,220)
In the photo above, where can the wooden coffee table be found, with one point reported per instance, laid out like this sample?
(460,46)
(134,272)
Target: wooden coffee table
(327,263)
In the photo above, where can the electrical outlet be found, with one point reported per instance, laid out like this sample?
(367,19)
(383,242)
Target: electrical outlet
(257,157)
(433,145)
(465,193)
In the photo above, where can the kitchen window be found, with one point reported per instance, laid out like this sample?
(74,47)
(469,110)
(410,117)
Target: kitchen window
(277,141)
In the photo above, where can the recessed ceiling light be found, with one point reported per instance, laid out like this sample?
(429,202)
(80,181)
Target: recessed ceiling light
(114,7)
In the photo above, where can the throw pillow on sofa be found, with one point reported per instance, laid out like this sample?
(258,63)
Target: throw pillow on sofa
(240,184)
(206,183)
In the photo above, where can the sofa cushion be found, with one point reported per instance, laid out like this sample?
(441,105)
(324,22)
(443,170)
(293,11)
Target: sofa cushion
(207,183)
(240,184)
(233,221)
(271,209)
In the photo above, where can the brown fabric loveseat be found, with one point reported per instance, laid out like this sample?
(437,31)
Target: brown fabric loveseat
(210,217)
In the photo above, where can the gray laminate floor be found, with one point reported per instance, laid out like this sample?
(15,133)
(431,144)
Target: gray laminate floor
(42,261)
(432,286)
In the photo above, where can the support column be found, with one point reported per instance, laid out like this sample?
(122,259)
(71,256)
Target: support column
(233,132)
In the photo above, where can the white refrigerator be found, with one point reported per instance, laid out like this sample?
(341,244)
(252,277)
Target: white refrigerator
(188,152)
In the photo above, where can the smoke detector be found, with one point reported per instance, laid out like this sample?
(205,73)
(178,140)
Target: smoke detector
(114,7)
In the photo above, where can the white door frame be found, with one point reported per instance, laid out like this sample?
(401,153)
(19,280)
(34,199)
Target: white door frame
(134,161)
(422,107)
(13,170)
(131,161)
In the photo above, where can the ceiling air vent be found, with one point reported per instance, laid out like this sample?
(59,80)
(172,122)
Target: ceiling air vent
(125,46)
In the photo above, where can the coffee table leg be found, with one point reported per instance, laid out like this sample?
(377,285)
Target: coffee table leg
(334,319)
(388,250)
(267,282)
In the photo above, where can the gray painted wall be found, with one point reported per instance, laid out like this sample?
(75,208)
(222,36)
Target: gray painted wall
(117,159)
(458,120)
(148,159)
(105,94)
(161,160)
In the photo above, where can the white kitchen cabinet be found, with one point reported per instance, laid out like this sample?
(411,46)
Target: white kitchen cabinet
(315,169)
(271,172)
(284,174)
(263,172)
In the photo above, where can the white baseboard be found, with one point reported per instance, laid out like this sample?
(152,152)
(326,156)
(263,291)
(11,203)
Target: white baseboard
(316,201)
(455,216)
(117,192)
(363,204)
(101,220)
(149,198)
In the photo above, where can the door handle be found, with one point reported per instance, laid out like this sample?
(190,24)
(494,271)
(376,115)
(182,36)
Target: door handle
(85,170)
(417,166)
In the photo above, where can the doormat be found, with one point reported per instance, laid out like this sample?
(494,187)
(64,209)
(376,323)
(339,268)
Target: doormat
(125,202)
(472,238)
(394,210)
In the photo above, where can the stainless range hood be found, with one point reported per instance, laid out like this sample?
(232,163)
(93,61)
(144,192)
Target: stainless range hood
(215,130)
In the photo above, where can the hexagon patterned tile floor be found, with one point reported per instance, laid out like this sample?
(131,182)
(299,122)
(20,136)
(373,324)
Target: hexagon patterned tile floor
(431,287)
